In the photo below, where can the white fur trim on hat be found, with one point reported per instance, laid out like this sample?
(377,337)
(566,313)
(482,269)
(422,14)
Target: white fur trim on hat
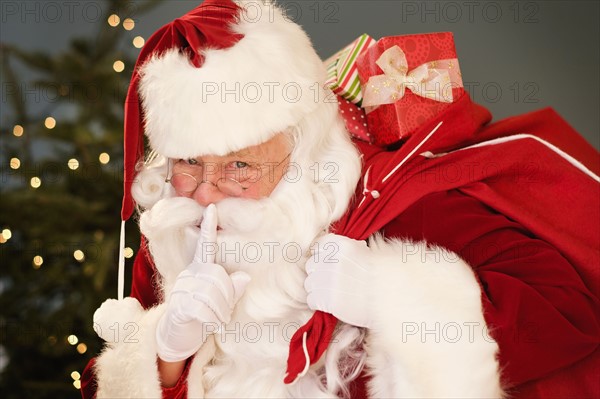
(240,96)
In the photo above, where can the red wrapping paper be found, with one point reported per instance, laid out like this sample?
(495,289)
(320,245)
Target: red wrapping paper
(391,123)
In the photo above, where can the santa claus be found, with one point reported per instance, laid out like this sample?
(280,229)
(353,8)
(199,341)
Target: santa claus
(255,206)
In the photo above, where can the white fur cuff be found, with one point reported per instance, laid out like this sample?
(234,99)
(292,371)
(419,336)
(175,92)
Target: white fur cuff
(429,337)
(127,367)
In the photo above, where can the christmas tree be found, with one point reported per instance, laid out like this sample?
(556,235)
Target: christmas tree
(61,171)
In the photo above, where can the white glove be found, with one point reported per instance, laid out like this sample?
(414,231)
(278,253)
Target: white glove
(202,298)
(338,279)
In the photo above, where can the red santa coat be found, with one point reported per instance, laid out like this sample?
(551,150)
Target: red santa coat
(540,283)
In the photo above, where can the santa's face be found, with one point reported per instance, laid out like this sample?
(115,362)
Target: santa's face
(273,219)
(258,206)
(250,173)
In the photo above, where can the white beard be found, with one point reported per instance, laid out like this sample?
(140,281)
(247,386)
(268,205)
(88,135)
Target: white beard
(270,240)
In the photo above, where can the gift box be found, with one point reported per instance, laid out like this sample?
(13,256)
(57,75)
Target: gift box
(343,80)
(407,81)
(355,120)
(342,77)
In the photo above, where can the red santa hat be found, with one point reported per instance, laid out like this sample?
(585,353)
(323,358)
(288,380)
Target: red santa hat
(225,76)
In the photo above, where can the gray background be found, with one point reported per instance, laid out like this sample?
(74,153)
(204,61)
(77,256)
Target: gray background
(515,56)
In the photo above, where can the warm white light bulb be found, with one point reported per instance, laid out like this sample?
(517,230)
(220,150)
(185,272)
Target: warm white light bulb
(119,66)
(15,163)
(114,20)
(128,24)
(104,158)
(138,42)
(50,122)
(128,252)
(37,261)
(18,130)
(79,255)
(73,164)
(35,182)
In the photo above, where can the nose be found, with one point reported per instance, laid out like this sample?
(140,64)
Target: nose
(207,194)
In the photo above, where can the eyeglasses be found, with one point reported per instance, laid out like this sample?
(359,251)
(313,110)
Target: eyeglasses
(235,177)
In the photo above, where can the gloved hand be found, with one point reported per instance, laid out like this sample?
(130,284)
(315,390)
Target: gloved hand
(338,279)
(202,298)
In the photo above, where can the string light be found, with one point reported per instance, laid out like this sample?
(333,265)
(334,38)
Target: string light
(75,375)
(7,234)
(79,255)
(15,163)
(128,252)
(50,122)
(119,66)
(77,384)
(73,164)
(81,348)
(35,182)
(138,42)
(114,20)
(18,129)
(128,24)
(104,158)
(37,261)
(72,339)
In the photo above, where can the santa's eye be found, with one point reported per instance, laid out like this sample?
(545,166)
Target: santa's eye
(188,165)
(235,165)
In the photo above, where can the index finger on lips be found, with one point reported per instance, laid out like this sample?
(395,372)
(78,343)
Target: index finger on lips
(207,242)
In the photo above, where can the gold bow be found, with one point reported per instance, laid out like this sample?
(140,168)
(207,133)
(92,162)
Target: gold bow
(433,80)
